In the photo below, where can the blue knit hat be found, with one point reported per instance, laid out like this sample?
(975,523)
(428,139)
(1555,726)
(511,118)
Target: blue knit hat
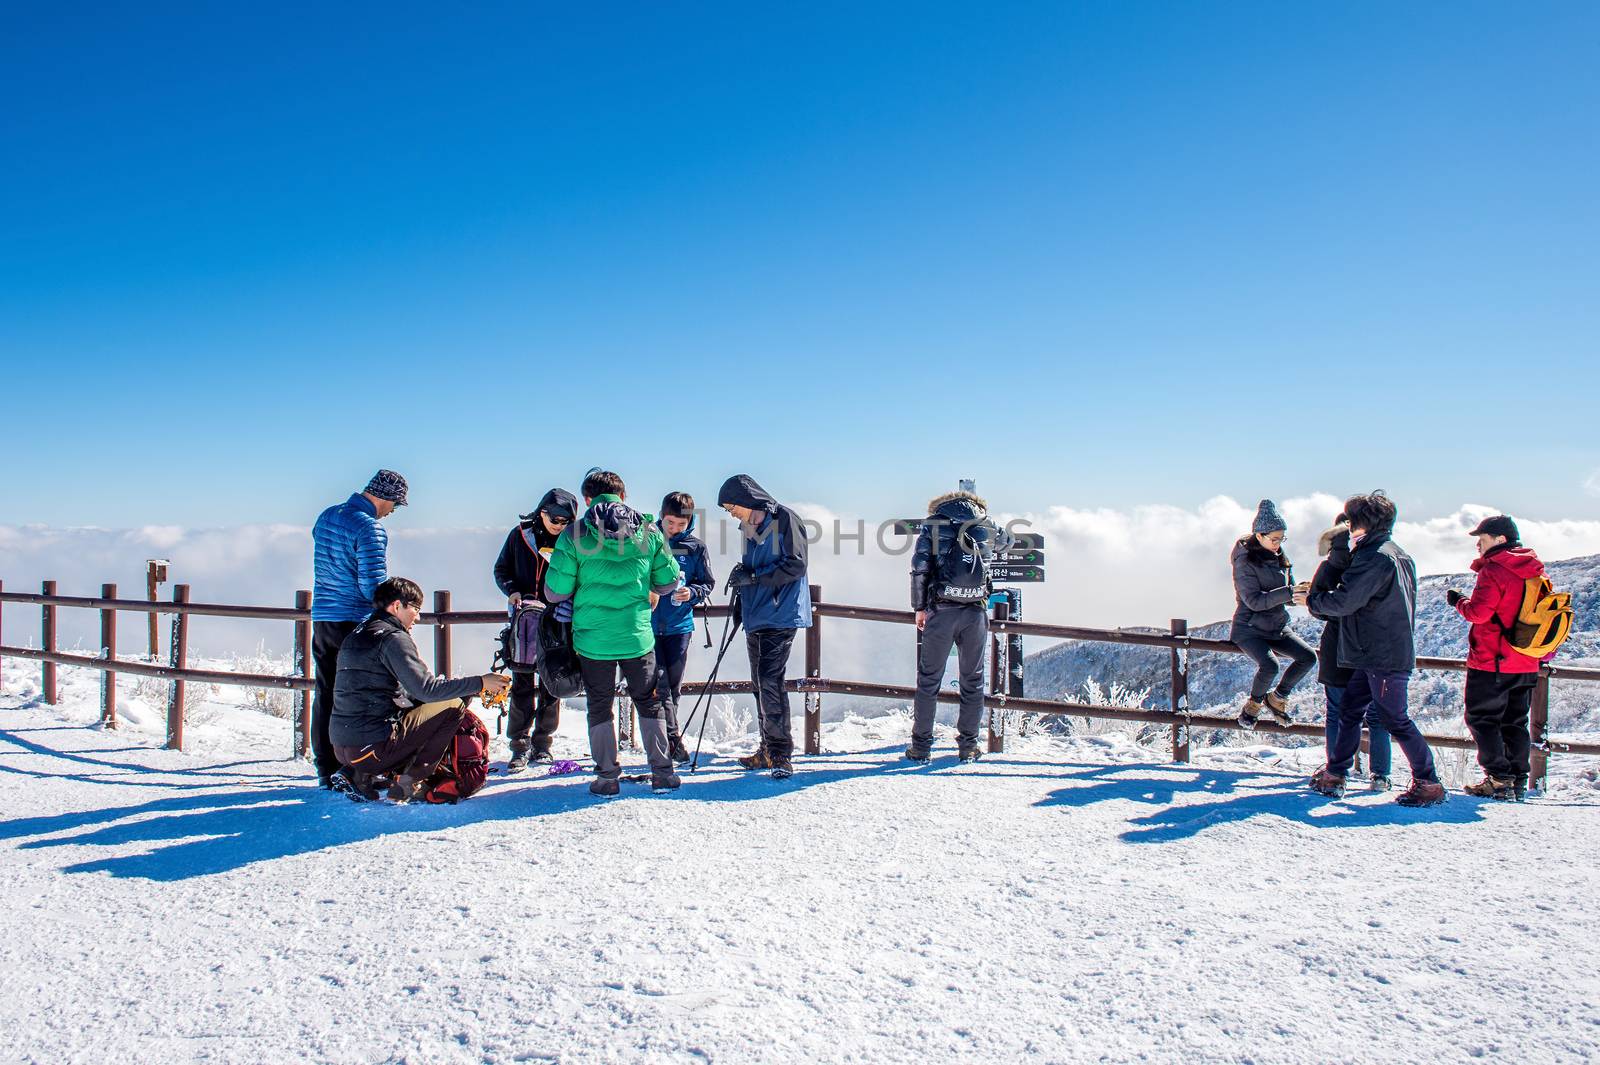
(1268,520)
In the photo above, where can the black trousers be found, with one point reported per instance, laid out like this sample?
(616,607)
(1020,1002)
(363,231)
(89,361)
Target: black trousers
(532,709)
(1301,660)
(672,654)
(964,627)
(1497,716)
(600,685)
(769,657)
(421,738)
(326,639)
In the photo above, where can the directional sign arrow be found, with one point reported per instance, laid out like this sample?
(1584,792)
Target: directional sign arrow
(1017,574)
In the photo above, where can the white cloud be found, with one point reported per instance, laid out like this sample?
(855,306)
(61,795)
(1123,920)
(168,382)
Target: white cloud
(1592,484)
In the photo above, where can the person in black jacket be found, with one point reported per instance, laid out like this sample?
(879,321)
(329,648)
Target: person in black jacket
(1376,608)
(1263,584)
(389,712)
(672,615)
(1333,547)
(950,593)
(519,574)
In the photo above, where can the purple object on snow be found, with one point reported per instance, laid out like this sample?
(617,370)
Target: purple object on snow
(563,767)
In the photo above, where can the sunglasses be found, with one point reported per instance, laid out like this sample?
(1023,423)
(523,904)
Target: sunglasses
(558,521)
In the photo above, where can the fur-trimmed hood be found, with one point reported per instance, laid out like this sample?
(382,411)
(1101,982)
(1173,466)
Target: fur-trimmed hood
(1329,537)
(962,506)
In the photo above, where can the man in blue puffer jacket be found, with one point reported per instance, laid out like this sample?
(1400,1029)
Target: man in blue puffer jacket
(673,615)
(774,601)
(350,559)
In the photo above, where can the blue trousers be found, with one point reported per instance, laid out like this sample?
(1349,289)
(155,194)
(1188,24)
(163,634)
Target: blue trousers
(1382,756)
(1385,692)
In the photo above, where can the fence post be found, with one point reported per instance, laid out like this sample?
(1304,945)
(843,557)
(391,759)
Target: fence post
(2,637)
(1539,726)
(302,668)
(441,634)
(108,651)
(1180,693)
(813,700)
(997,675)
(180,660)
(47,640)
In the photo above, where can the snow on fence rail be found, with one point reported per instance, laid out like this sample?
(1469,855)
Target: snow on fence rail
(813,685)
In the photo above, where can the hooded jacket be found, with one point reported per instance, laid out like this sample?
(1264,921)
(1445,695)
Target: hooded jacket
(1376,605)
(1493,606)
(526,554)
(349,560)
(1262,588)
(607,563)
(775,554)
(694,563)
(380,677)
(947,514)
(1334,546)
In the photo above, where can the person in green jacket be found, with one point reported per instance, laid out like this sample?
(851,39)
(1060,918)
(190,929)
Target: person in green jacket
(607,564)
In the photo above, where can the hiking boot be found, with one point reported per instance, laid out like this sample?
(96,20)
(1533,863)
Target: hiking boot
(758,760)
(919,755)
(406,788)
(1519,789)
(1379,783)
(540,757)
(1326,783)
(606,786)
(678,752)
(1278,709)
(326,782)
(357,787)
(970,754)
(1249,714)
(1500,789)
(1422,793)
(781,769)
(518,760)
(662,780)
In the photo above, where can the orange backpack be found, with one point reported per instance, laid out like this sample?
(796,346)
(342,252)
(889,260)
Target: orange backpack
(1544,621)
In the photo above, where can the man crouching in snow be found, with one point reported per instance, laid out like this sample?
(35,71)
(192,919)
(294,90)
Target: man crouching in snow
(389,712)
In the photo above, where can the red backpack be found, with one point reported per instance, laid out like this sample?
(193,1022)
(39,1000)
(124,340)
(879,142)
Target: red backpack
(465,765)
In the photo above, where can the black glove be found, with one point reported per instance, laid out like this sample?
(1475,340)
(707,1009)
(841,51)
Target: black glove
(741,577)
(1453,597)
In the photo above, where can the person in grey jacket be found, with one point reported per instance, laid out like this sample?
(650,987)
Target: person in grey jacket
(389,711)
(950,593)
(1376,608)
(1263,585)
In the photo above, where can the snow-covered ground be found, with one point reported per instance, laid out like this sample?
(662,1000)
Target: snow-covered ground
(1071,900)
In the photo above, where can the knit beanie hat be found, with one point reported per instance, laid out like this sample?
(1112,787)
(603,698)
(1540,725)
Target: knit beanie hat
(1268,520)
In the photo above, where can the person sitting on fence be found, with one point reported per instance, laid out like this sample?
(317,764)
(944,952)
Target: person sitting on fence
(672,616)
(1376,605)
(950,585)
(1500,679)
(349,549)
(1263,584)
(390,714)
(1333,547)
(519,574)
(607,563)
(774,602)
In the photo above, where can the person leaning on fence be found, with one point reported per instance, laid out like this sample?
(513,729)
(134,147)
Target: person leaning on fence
(390,714)
(519,573)
(1333,547)
(672,615)
(1263,588)
(349,561)
(1376,608)
(950,584)
(774,603)
(1500,679)
(607,563)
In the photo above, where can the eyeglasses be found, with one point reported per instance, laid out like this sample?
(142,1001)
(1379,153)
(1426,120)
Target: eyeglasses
(559,521)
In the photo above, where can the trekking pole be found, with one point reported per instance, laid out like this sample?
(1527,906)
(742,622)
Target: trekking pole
(728,633)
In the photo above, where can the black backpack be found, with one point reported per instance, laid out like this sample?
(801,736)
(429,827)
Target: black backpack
(559,671)
(966,552)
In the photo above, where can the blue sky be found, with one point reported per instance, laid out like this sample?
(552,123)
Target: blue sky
(1096,254)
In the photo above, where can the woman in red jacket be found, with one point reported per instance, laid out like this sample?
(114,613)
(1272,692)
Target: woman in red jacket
(1500,679)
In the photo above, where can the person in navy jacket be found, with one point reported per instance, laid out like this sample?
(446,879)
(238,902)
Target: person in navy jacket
(672,618)
(349,560)
(775,602)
